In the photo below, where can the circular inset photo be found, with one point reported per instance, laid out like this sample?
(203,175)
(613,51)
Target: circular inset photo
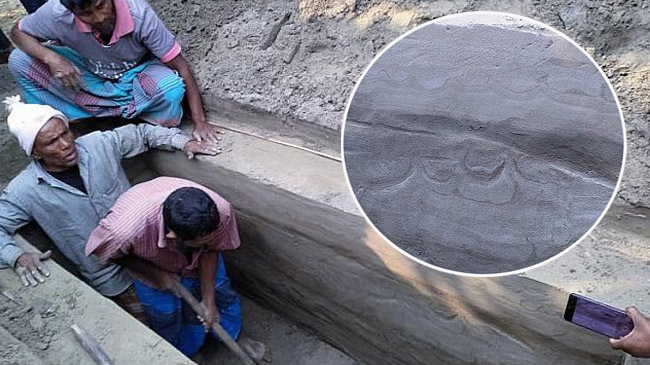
(483,143)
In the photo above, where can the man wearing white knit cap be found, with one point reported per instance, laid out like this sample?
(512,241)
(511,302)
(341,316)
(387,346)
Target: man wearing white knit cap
(69,187)
(25,121)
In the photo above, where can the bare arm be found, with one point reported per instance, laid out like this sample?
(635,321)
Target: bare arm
(30,45)
(208,262)
(163,279)
(202,130)
(59,66)
(207,271)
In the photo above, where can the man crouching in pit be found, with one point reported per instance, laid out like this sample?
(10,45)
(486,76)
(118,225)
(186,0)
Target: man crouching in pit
(170,230)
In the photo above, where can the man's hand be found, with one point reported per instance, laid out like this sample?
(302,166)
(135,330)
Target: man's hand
(167,281)
(210,314)
(204,131)
(201,147)
(30,269)
(637,342)
(64,71)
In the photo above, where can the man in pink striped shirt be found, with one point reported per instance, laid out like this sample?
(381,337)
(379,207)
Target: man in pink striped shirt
(168,229)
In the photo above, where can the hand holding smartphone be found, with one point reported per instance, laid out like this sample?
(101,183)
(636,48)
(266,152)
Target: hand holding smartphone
(598,317)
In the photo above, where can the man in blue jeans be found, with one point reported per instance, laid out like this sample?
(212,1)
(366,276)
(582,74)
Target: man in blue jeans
(171,229)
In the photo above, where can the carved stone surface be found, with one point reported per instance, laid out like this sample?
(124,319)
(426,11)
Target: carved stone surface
(483,145)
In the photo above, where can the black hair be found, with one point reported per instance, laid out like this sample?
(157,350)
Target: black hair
(190,213)
(73,5)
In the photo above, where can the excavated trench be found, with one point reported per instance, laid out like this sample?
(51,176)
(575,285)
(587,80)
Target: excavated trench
(308,255)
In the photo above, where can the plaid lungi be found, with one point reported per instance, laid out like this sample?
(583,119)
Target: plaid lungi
(150,91)
(129,301)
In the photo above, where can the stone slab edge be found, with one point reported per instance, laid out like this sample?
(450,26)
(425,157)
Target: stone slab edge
(122,337)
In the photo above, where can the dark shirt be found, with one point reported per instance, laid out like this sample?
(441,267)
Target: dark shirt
(72,177)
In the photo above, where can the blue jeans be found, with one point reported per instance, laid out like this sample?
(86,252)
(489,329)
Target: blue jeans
(174,320)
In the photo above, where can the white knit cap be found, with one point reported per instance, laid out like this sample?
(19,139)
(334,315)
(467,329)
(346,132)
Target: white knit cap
(26,120)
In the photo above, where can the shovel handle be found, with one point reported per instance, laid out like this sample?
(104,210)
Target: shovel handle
(216,327)
(91,345)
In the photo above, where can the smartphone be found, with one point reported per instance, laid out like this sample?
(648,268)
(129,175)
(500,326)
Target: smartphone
(598,317)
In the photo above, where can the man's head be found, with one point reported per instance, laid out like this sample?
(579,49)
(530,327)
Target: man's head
(99,14)
(43,134)
(54,146)
(191,217)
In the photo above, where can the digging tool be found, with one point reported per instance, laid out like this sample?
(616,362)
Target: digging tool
(91,346)
(216,327)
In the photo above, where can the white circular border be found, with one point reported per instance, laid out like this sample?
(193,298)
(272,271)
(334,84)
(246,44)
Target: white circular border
(476,14)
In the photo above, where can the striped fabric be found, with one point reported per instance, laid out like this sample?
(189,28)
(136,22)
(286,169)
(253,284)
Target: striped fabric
(150,91)
(134,226)
(129,301)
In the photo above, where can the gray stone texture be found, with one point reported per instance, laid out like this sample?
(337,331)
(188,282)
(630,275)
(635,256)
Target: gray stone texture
(483,148)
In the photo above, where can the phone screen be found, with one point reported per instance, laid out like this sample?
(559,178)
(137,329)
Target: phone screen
(599,317)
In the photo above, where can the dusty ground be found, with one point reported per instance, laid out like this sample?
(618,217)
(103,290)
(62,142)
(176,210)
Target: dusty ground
(35,324)
(287,343)
(612,264)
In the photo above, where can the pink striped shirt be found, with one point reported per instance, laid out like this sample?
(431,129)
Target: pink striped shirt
(134,226)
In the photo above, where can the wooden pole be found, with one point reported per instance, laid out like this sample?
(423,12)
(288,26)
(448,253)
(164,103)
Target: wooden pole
(91,345)
(216,327)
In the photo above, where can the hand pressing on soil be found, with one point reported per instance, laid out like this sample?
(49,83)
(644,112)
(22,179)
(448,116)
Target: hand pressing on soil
(203,131)
(206,132)
(30,269)
(201,147)
(637,342)
(210,314)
